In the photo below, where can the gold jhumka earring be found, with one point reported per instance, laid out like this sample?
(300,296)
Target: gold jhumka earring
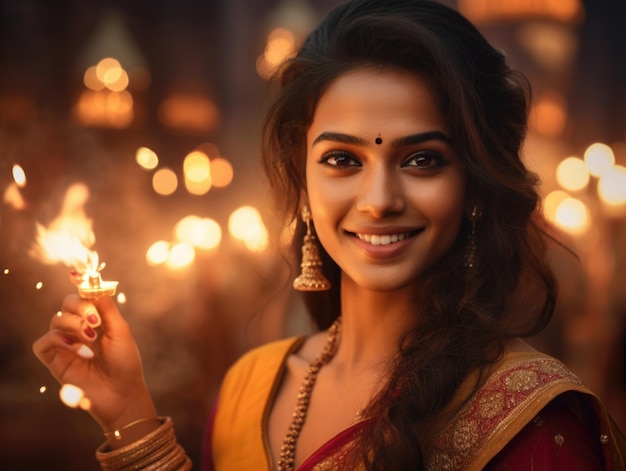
(470,255)
(311,277)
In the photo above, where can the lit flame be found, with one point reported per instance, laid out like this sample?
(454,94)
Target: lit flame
(68,240)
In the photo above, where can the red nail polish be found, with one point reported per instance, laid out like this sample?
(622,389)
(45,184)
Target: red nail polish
(89,332)
(67,341)
(92,319)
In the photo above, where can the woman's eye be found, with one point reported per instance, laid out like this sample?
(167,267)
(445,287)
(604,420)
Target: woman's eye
(425,160)
(340,159)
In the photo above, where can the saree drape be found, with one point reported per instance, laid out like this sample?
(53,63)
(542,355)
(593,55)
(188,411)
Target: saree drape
(500,423)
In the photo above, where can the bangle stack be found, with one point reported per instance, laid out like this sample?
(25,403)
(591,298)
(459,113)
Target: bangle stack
(117,433)
(158,450)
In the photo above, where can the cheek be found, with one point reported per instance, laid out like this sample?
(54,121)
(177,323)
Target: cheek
(444,205)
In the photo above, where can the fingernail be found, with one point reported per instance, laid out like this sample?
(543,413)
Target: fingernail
(93,319)
(85,352)
(89,332)
(67,341)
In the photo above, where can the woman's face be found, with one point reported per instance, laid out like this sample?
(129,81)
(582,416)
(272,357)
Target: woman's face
(385,187)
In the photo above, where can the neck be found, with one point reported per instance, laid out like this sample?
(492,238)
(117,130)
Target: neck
(372,325)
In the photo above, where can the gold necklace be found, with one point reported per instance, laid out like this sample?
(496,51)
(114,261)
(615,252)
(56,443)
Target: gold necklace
(288,450)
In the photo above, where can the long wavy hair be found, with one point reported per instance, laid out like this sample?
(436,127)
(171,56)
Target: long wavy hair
(466,315)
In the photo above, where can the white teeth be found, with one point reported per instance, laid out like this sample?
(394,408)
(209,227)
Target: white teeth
(384,239)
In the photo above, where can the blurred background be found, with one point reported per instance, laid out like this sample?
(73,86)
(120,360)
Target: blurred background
(136,124)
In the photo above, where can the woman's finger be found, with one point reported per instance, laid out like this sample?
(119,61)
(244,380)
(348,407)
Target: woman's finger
(74,326)
(55,344)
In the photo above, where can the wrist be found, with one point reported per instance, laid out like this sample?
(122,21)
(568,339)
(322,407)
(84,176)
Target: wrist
(131,432)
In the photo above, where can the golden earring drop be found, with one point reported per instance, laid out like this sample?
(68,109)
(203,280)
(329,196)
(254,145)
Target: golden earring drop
(470,255)
(311,277)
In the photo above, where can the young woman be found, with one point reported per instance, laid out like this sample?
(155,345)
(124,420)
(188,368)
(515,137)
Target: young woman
(396,134)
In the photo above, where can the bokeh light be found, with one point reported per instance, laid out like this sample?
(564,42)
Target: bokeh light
(572,174)
(246,224)
(599,158)
(612,186)
(197,173)
(19,176)
(573,216)
(281,44)
(203,233)
(157,253)
(164,181)
(221,172)
(180,256)
(147,158)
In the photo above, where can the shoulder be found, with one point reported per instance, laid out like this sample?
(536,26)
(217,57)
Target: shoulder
(514,391)
(265,360)
(565,434)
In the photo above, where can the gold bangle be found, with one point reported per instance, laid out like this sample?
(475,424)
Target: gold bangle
(157,451)
(117,433)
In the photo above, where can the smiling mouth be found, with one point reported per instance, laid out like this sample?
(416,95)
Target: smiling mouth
(384,239)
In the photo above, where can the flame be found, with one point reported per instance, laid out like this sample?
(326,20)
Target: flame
(69,237)
(68,240)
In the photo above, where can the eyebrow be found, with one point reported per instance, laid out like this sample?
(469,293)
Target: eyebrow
(399,142)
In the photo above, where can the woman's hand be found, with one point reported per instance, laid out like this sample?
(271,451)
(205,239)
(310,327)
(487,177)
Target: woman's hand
(90,345)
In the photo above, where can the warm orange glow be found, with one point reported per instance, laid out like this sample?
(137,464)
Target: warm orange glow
(19,176)
(572,174)
(551,202)
(105,65)
(222,172)
(281,43)
(147,158)
(189,112)
(116,80)
(69,237)
(246,224)
(481,11)
(599,158)
(209,149)
(181,255)
(157,253)
(105,109)
(164,181)
(73,396)
(105,103)
(121,298)
(204,233)
(91,80)
(549,114)
(197,171)
(573,216)
(612,186)
(13,197)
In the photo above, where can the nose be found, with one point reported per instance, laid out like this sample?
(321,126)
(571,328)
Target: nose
(380,192)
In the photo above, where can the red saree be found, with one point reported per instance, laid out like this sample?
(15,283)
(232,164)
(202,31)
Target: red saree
(531,413)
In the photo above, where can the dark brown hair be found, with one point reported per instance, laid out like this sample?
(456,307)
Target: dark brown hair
(465,315)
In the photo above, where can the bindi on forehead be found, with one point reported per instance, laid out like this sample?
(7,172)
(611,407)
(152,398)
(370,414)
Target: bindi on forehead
(378,140)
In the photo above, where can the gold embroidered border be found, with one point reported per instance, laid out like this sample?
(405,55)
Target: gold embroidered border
(514,393)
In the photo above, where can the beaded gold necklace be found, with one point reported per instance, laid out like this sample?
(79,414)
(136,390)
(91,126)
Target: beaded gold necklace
(288,450)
